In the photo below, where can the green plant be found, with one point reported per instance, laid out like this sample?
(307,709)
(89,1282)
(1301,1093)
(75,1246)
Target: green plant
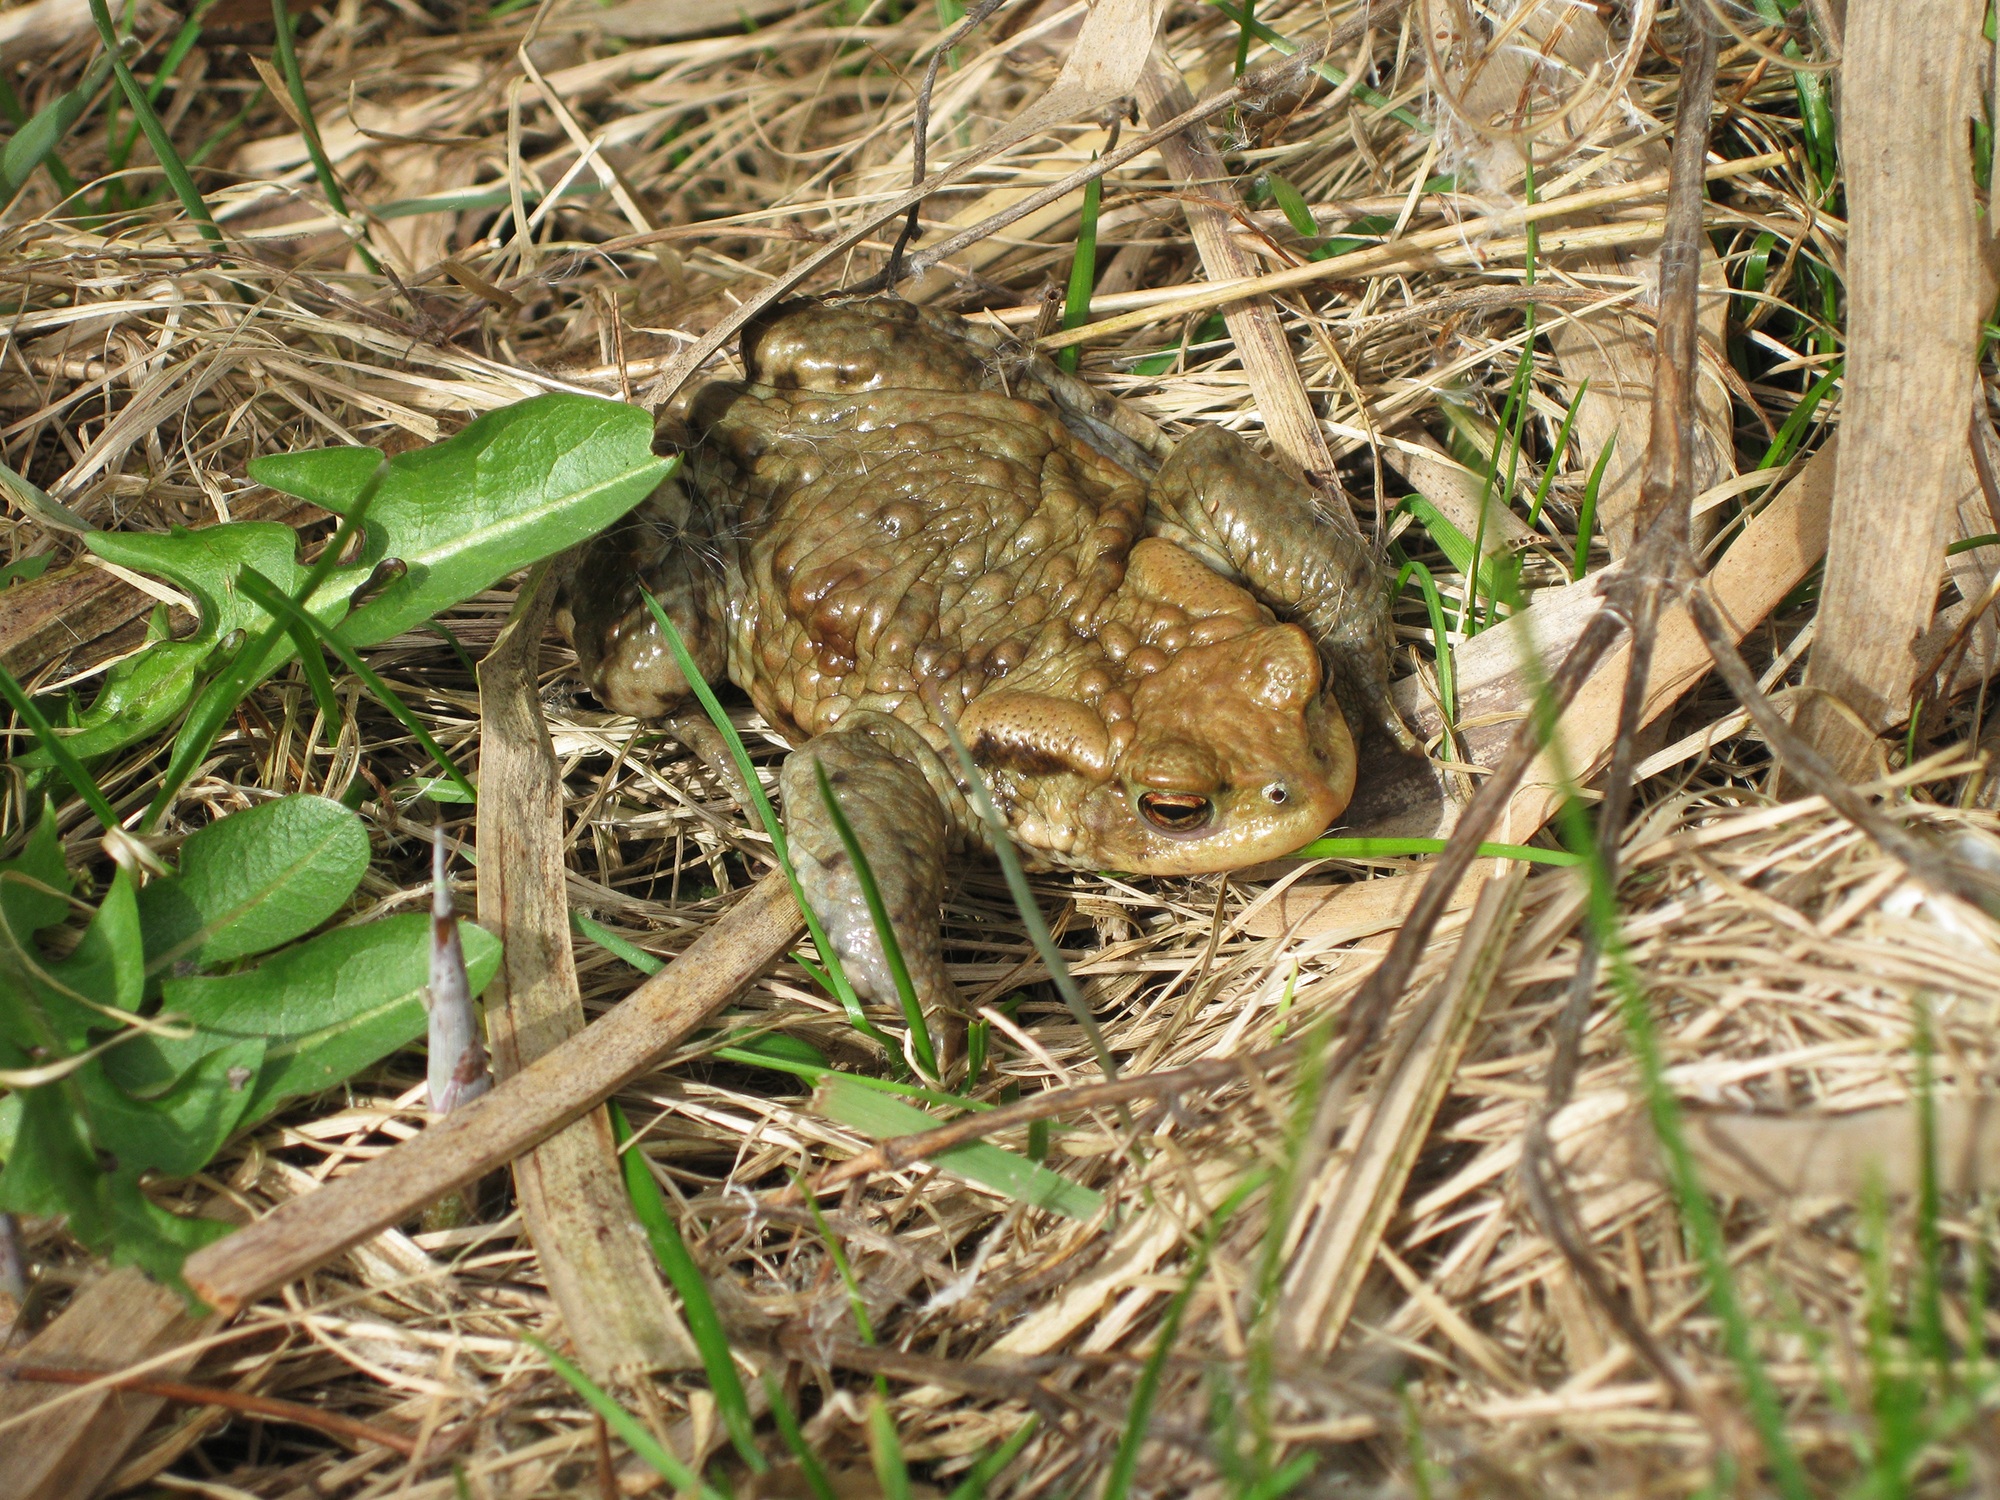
(627,1426)
(1082,270)
(153,1041)
(515,486)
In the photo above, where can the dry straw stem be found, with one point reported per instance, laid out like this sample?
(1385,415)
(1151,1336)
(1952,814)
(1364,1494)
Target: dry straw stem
(570,1187)
(64,1443)
(1254,326)
(1920,285)
(1365,1180)
(525,1109)
(1453,244)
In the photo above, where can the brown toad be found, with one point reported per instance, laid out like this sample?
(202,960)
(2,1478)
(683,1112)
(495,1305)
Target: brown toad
(901,520)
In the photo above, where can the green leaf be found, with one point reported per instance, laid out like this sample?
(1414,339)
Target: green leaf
(145,691)
(323,1010)
(44,1005)
(109,965)
(178,1132)
(33,887)
(25,569)
(35,141)
(880,1117)
(53,1170)
(139,694)
(517,485)
(253,880)
(328,477)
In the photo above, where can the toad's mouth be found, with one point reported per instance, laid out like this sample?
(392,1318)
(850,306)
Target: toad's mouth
(1177,814)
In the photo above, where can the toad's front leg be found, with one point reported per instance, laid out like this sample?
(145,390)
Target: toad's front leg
(900,804)
(1215,491)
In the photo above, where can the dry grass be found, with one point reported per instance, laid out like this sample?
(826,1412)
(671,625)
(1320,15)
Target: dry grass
(1784,958)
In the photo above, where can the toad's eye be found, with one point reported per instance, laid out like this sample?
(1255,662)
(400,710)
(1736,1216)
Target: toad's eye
(1176,812)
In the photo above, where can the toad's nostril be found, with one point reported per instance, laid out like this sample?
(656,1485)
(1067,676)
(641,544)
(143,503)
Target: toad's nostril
(1176,812)
(1276,794)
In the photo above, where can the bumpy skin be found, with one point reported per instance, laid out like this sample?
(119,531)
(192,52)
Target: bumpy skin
(889,528)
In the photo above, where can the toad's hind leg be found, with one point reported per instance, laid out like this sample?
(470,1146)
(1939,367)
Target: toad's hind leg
(1320,571)
(905,813)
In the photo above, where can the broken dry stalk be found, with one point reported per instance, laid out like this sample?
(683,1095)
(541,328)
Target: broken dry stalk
(1254,325)
(1919,289)
(1656,568)
(520,1112)
(570,1187)
(457,1072)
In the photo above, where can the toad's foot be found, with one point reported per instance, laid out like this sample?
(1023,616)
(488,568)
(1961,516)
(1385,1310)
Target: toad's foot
(898,801)
(1217,493)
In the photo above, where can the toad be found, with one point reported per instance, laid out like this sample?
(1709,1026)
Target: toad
(901,521)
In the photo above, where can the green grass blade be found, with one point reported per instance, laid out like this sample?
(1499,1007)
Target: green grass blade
(1024,901)
(1556,452)
(171,165)
(611,942)
(312,662)
(72,768)
(267,595)
(852,1102)
(295,85)
(1327,71)
(712,706)
(989,1467)
(1586,510)
(120,152)
(35,142)
(1293,205)
(1697,1212)
(1440,633)
(1791,432)
(1346,848)
(622,1422)
(649,1204)
(856,1304)
(1243,36)
(1139,1414)
(885,1446)
(1453,543)
(1930,1210)
(757,1053)
(795,1439)
(1082,270)
(878,914)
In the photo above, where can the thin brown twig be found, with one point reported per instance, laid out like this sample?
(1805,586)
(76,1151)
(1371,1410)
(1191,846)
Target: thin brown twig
(1656,569)
(920,129)
(330,1422)
(1814,772)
